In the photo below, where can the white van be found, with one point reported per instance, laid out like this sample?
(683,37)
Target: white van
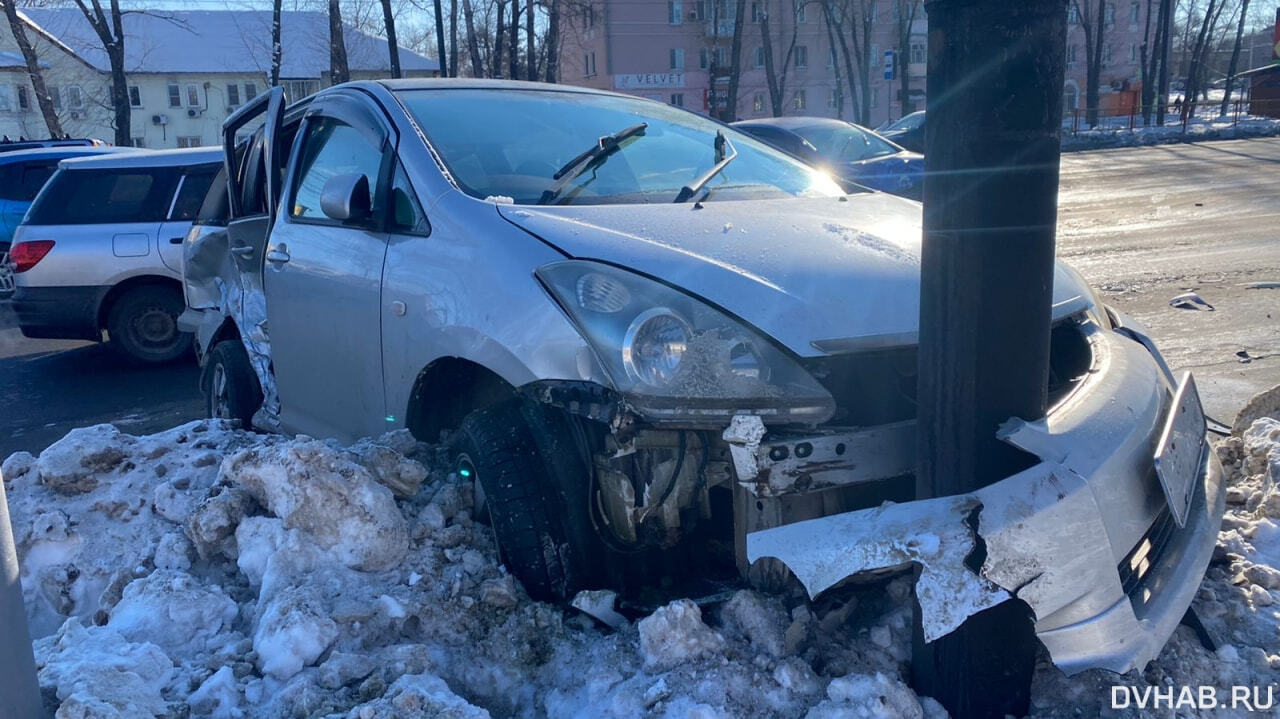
(101,250)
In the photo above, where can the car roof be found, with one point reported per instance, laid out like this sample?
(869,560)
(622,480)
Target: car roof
(148,158)
(469,83)
(794,123)
(54,153)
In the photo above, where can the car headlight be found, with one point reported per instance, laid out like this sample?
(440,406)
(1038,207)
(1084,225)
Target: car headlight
(677,359)
(1097,311)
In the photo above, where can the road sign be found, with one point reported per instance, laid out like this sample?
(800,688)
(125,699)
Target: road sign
(888,64)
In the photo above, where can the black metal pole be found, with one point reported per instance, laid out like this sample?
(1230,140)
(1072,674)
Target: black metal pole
(995,95)
(19,692)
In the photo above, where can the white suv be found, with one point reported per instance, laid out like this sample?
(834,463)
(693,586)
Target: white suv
(101,249)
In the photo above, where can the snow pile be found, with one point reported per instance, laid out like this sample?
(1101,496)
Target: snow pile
(207,571)
(1199,129)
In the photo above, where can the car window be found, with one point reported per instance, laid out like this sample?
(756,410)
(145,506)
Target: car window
(191,194)
(845,143)
(331,148)
(487,141)
(406,214)
(31,176)
(105,196)
(910,122)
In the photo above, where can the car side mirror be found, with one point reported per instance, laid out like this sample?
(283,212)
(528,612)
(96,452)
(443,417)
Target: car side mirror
(346,197)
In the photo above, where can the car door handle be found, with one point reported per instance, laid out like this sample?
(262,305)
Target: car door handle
(279,254)
(175,240)
(242,251)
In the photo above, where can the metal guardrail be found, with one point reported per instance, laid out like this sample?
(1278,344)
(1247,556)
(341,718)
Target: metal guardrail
(1176,116)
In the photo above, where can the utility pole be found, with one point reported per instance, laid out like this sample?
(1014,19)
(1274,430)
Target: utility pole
(994,91)
(19,692)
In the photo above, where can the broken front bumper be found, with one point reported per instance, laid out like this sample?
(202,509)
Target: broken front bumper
(1084,537)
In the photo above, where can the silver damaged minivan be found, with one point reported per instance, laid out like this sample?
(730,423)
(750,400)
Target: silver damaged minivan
(655,343)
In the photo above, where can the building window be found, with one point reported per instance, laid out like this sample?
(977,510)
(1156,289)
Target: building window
(6,98)
(755,12)
(175,95)
(193,95)
(135,96)
(24,99)
(875,97)
(1133,52)
(1073,14)
(1134,12)
(758,57)
(919,52)
(250,91)
(832,98)
(1109,14)
(702,58)
(675,12)
(189,141)
(1106,55)
(588,17)
(233,94)
(55,96)
(1071,54)
(800,13)
(139,142)
(757,103)
(802,56)
(721,54)
(298,89)
(677,99)
(677,58)
(799,101)
(75,98)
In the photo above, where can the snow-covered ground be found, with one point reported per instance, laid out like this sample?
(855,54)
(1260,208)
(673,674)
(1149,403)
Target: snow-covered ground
(1202,128)
(206,571)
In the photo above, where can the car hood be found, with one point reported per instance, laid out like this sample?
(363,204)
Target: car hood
(821,276)
(885,163)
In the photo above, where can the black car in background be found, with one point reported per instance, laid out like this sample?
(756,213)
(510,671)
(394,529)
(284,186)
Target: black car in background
(907,131)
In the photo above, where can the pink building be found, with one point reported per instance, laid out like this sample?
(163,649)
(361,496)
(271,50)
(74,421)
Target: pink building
(679,52)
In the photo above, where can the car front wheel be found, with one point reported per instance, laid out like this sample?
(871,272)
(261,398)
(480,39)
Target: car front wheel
(143,325)
(231,388)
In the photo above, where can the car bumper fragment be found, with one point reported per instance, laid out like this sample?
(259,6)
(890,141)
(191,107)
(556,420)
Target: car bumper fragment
(1055,534)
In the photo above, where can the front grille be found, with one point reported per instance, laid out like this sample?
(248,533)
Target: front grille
(1145,556)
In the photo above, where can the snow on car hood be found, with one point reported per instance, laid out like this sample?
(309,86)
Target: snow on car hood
(819,275)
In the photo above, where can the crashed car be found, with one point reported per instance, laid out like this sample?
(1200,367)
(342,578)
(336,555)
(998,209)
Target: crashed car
(646,335)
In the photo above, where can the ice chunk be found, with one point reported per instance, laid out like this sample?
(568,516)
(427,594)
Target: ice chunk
(676,634)
(96,672)
(218,697)
(72,465)
(419,695)
(868,697)
(293,632)
(172,610)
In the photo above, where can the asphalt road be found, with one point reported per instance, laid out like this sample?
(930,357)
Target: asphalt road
(1143,224)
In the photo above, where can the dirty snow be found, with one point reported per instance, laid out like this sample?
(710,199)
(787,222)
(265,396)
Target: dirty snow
(206,571)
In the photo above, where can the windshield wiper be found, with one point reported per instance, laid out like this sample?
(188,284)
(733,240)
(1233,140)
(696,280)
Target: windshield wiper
(593,157)
(725,153)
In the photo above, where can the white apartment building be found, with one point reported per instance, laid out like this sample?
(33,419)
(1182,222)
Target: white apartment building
(187,70)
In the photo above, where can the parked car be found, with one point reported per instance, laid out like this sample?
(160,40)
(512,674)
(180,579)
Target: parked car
(101,249)
(646,337)
(850,152)
(22,143)
(22,174)
(907,131)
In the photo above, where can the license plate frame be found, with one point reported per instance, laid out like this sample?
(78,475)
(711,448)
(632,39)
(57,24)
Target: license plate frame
(1181,447)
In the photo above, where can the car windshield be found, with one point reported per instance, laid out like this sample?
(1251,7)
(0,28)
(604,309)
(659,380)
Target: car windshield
(486,139)
(910,122)
(845,143)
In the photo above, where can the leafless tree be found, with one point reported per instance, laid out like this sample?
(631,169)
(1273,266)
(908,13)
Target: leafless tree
(1196,67)
(851,21)
(776,72)
(32,60)
(277,50)
(1235,57)
(905,12)
(108,25)
(339,70)
(393,47)
(453,38)
(1094,18)
(473,42)
(735,60)
(553,41)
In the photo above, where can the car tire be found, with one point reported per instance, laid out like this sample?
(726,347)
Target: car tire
(496,447)
(231,387)
(142,324)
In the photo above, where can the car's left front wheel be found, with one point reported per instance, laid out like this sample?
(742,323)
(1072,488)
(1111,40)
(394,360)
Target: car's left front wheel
(231,388)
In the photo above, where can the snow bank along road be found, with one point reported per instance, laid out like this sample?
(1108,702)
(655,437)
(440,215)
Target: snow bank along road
(1144,224)
(208,572)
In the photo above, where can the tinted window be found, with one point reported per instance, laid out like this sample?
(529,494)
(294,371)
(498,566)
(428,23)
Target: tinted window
(510,144)
(332,148)
(406,214)
(845,143)
(192,192)
(31,177)
(76,197)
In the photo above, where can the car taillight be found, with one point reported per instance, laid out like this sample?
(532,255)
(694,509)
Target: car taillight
(25,255)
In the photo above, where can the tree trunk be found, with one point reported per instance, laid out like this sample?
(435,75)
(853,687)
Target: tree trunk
(393,47)
(553,42)
(277,51)
(837,29)
(1094,31)
(864,66)
(473,45)
(835,64)
(906,18)
(37,75)
(513,41)
(441,50)
(771,76)
(111,33)
(1235,58)
(499,37)
(1162,91)
(1145,67)
(453,38)
(339,71)
(735,61)
(1197,57)
(529,40)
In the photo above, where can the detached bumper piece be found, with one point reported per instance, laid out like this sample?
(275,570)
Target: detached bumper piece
(1087,537)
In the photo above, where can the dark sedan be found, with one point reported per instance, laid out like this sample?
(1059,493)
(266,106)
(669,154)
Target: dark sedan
(907,131)
(851,153)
